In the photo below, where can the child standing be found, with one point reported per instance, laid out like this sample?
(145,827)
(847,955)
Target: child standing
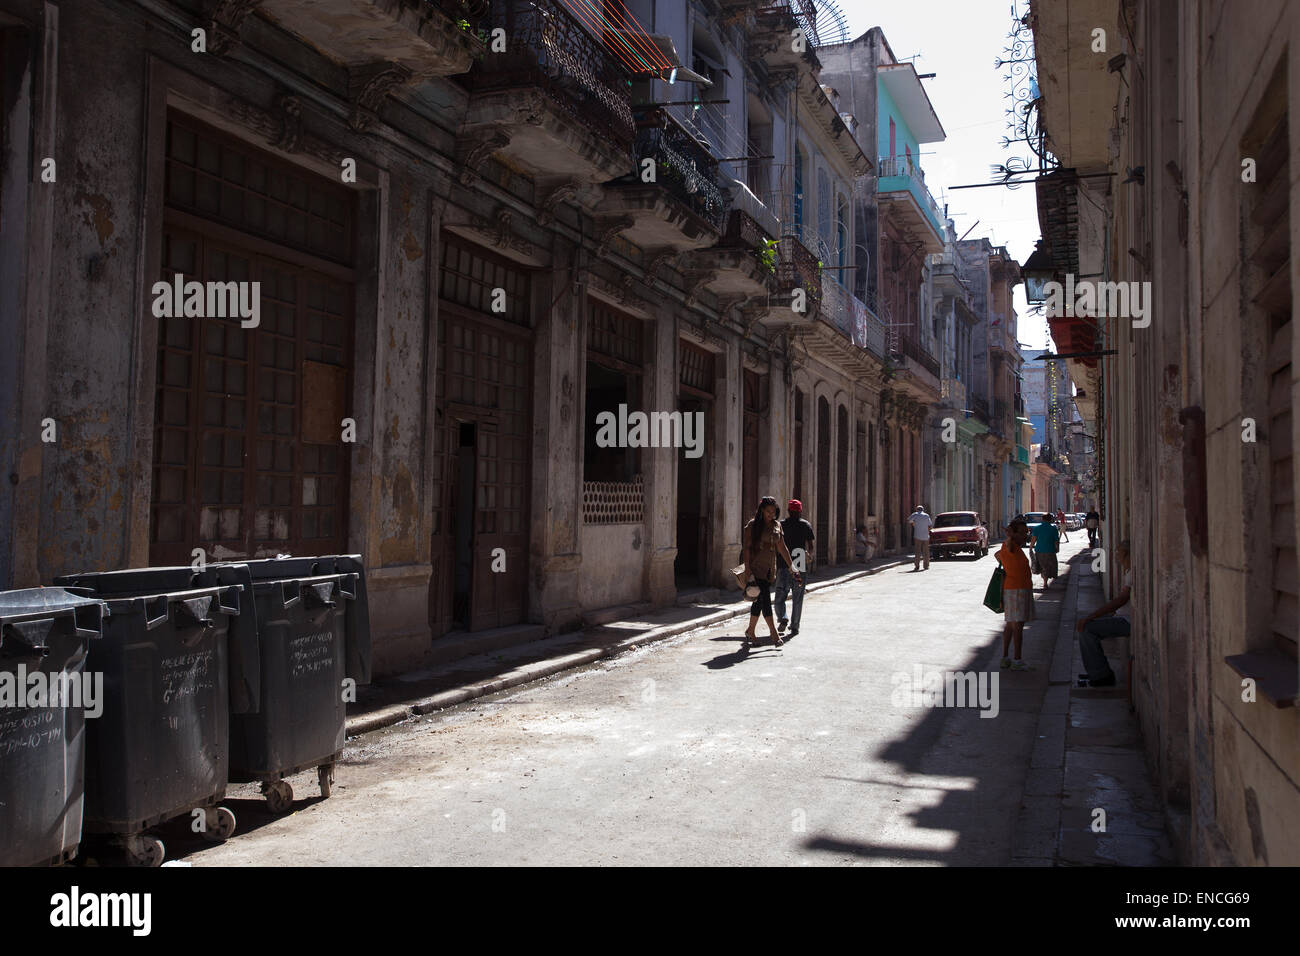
(1017,593)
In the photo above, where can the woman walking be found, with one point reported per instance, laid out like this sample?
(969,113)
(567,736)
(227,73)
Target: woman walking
(1017,594)
(763,542)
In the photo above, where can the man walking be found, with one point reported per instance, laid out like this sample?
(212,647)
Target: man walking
(1096,627)
(798,535)
(1047,542)
(921,523)
(1092,521)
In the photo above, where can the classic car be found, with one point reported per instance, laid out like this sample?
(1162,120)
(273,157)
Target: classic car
(957,531)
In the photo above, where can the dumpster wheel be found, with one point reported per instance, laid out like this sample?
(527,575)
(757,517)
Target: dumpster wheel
(220,825)
(144,849)
(279,795)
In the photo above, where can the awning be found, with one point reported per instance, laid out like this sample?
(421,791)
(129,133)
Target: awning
(629,41)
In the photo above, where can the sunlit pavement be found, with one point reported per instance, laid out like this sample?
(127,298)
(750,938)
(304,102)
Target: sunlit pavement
(692,752)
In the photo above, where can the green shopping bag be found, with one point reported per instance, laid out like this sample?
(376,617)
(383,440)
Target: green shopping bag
(993,596)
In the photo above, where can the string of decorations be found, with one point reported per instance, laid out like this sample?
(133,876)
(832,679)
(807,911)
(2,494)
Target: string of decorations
(621,33)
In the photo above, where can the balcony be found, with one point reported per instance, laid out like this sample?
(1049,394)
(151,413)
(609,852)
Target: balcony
(797,268)
(1022,456)
(418,38)
(980,407)
(841,331)
(772,39)
(952,393)
(684,207)
(921,357)
(554,104)
(902,190)
(735,261)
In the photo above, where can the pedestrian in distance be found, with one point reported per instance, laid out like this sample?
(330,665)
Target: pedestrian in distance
(921,523)
(861,546)
(1092,521)
(1017,594)
(763,542)
(1047,542)
(798,535)
(1060,524)
(1107,621)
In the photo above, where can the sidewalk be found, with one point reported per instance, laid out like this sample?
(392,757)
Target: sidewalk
(393,699)
(1088,755)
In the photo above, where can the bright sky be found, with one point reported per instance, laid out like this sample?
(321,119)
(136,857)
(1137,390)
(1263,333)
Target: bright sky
(958,40)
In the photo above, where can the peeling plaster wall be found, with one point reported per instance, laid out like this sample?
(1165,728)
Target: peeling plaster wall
(614,556)
(94,297)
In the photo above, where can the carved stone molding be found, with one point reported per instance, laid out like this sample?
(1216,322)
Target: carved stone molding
(477,149)
(607,228)
(225,22)
(530,108)
(497,231)
(560,194)
(626,287)
(661,261)
(368,86)
(281,127)
(696,280)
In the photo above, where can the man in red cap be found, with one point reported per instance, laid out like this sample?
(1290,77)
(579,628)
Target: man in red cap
(799,539)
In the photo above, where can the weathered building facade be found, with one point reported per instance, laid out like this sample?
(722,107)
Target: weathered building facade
(472,232)
(1176,151)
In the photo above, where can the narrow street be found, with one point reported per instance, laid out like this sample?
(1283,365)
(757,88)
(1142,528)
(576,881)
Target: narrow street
(689,752)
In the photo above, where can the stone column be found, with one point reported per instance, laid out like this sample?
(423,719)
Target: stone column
(660,465)
(556,513)
(724,471)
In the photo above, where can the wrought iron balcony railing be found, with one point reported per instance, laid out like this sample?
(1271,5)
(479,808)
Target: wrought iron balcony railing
(683,165)
(549,50)
(797,268)
(980,406)
(916,353)
(902,166)
(846,312)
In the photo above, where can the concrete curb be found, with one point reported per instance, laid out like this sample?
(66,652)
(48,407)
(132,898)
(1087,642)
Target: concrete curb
(536,670)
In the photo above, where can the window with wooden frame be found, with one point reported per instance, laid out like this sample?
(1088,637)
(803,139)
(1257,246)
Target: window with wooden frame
(249,458)
(697,370)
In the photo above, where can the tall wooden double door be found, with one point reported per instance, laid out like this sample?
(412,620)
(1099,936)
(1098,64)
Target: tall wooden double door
(482,432)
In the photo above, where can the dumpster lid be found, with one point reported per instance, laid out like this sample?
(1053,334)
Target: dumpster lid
(134,580)
(34,600)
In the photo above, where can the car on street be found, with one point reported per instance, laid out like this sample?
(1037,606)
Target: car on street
(955,532)
(1073,522)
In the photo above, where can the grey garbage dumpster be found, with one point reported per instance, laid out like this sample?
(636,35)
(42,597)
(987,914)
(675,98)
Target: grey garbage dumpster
(160,750)
(314,642)
(46,695)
